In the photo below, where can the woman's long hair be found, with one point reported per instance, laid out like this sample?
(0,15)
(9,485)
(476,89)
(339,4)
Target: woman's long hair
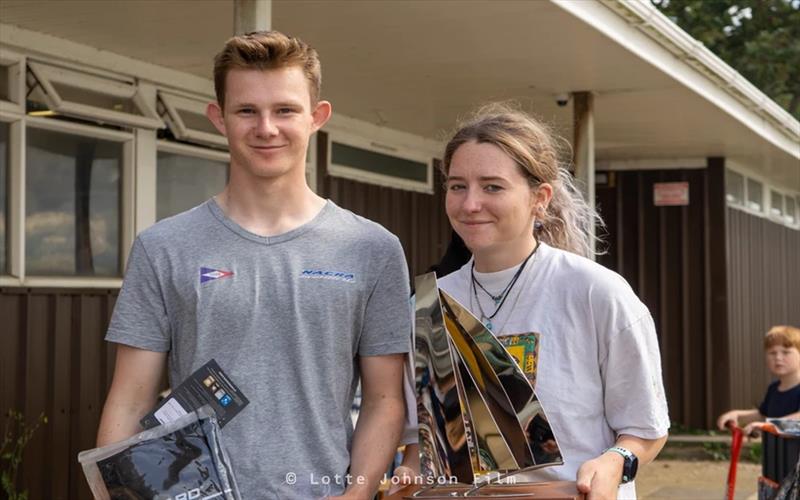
(567,222)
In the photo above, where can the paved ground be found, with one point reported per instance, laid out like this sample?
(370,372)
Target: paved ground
(690,480)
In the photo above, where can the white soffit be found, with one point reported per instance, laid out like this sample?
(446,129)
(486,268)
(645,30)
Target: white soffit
(642,29)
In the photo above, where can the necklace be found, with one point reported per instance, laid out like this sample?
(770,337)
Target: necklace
(499,300)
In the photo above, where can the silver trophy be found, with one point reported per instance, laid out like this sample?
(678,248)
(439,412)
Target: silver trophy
(480,421)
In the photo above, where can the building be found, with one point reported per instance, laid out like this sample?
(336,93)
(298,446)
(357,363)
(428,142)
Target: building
(102,133)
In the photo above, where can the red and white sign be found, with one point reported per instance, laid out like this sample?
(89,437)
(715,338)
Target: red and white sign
(670,194)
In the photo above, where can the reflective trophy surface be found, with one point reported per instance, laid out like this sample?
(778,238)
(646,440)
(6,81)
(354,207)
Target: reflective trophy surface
(480,422)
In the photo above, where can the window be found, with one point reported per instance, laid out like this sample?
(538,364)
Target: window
(11,82)
(54,90)
(5,81)
(184,180)
(776,204)
(72,195)
(791,211)
(734,187)
(364,161)
(5,131)
(187,120)
(755,195)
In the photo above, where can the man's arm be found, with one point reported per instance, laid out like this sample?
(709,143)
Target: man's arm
(133,393)
(380,423)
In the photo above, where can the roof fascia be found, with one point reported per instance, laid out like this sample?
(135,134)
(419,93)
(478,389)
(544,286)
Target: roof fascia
(646,32)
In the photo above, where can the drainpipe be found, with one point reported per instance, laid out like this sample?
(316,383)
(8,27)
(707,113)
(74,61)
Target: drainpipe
(251,15)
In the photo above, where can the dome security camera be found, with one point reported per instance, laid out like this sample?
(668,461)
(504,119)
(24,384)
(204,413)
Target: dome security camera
(562,99)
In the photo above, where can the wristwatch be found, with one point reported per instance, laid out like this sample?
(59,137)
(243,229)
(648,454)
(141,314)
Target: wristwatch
(630,466)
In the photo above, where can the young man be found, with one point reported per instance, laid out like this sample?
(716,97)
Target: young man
(293,296)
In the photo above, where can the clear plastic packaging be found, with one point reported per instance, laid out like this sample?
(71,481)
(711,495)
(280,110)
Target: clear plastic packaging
(182,460)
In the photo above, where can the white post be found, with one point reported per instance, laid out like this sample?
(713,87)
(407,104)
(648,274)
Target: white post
(144,185)
(251,15)
(583,145)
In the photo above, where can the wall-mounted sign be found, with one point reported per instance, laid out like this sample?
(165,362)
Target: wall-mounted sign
(670,194)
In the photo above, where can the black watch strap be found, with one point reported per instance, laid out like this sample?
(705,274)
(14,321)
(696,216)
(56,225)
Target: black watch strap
(631,464)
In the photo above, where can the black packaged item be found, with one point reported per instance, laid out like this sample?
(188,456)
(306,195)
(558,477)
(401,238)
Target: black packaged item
(181,460)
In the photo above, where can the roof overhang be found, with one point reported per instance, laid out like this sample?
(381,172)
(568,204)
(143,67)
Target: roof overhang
(419,66)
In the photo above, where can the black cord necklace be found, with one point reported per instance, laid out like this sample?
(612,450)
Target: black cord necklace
(499,300)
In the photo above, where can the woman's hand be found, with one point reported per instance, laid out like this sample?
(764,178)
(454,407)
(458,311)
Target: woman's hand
(403,476)
(408,470)
(600,477)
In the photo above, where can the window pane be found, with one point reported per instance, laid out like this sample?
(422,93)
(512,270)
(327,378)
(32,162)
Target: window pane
(4,131)
(791,210)
(734,187)
(754,195)
(184,182)
(378,163)
(5,75)
(195,121)
(72,204)
(776,204)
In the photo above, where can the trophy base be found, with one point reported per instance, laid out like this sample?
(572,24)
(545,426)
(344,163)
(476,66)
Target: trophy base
(551,490)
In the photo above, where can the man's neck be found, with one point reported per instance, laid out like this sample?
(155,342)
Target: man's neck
(269,207)
(789,381)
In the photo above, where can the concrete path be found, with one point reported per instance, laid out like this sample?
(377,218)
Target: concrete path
(691,480)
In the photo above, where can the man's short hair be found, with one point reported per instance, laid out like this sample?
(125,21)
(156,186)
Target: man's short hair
(786,336)
(266,50)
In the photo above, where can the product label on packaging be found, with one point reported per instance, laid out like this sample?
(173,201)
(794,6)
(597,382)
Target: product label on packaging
(208,385)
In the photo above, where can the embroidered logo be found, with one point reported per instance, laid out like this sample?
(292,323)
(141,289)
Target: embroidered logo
(328,275)
(208,274)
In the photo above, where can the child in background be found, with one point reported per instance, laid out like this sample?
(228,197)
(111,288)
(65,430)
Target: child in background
(782,349)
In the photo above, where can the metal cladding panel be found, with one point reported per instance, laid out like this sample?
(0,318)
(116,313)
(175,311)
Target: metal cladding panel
(764,290)
(54,361)
(668,255)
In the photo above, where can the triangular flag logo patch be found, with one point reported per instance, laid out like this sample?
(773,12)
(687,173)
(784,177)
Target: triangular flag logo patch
(209,274)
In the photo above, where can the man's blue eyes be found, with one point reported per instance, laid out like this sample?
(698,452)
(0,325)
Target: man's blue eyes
(281,111)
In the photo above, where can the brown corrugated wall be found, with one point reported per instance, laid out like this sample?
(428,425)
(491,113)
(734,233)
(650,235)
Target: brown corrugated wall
(54,361)
(763,290)
(674,258)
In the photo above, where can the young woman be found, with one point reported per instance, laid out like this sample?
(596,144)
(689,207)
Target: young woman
(598,374)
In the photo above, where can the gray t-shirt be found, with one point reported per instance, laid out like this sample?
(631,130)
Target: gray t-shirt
(285,316)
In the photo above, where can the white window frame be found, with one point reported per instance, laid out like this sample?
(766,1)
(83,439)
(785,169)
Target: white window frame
(126,233)
(16,200)
(766,198)
(173,103)
(46,74)
(16,87)
(369,144)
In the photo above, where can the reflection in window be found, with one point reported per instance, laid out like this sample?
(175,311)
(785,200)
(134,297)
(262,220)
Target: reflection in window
(776,202)
(754,195)
(72,195)
(184,182)
(791,210)
(734,187)
(4,131)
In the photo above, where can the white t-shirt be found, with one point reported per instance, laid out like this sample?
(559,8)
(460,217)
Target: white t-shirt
(599,371)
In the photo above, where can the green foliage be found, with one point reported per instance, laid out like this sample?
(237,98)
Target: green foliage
(759,38)
(717,451)
(16,435)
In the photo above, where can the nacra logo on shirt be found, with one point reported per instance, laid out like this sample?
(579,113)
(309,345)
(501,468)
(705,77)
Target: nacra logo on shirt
(328,275)
(209,274)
